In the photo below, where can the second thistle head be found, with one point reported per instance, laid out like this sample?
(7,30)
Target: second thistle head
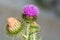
(30,13)
(14,26)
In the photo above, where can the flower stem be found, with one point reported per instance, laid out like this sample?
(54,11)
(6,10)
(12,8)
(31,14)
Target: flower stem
(31,37)
(23,35)
(34,36)
(28,26)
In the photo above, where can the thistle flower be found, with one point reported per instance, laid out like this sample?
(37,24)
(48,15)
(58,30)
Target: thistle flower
(14,26)
(30,13)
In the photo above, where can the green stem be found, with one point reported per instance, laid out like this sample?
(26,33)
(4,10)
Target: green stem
(23,35)
(27,37)
(34,36)
(31,37)
(28,26)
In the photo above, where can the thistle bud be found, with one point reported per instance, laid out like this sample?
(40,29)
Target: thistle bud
(34,27)
(30,13)
(14,26)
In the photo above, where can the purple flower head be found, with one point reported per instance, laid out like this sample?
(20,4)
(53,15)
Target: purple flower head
(30,10)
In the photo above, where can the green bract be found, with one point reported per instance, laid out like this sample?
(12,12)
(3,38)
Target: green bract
(34,27)
(29,19)
(15,32)
(13,28)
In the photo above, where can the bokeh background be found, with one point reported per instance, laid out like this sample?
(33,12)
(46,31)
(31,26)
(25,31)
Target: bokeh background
(48,18)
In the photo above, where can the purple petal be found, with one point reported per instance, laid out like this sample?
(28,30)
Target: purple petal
(30,10)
